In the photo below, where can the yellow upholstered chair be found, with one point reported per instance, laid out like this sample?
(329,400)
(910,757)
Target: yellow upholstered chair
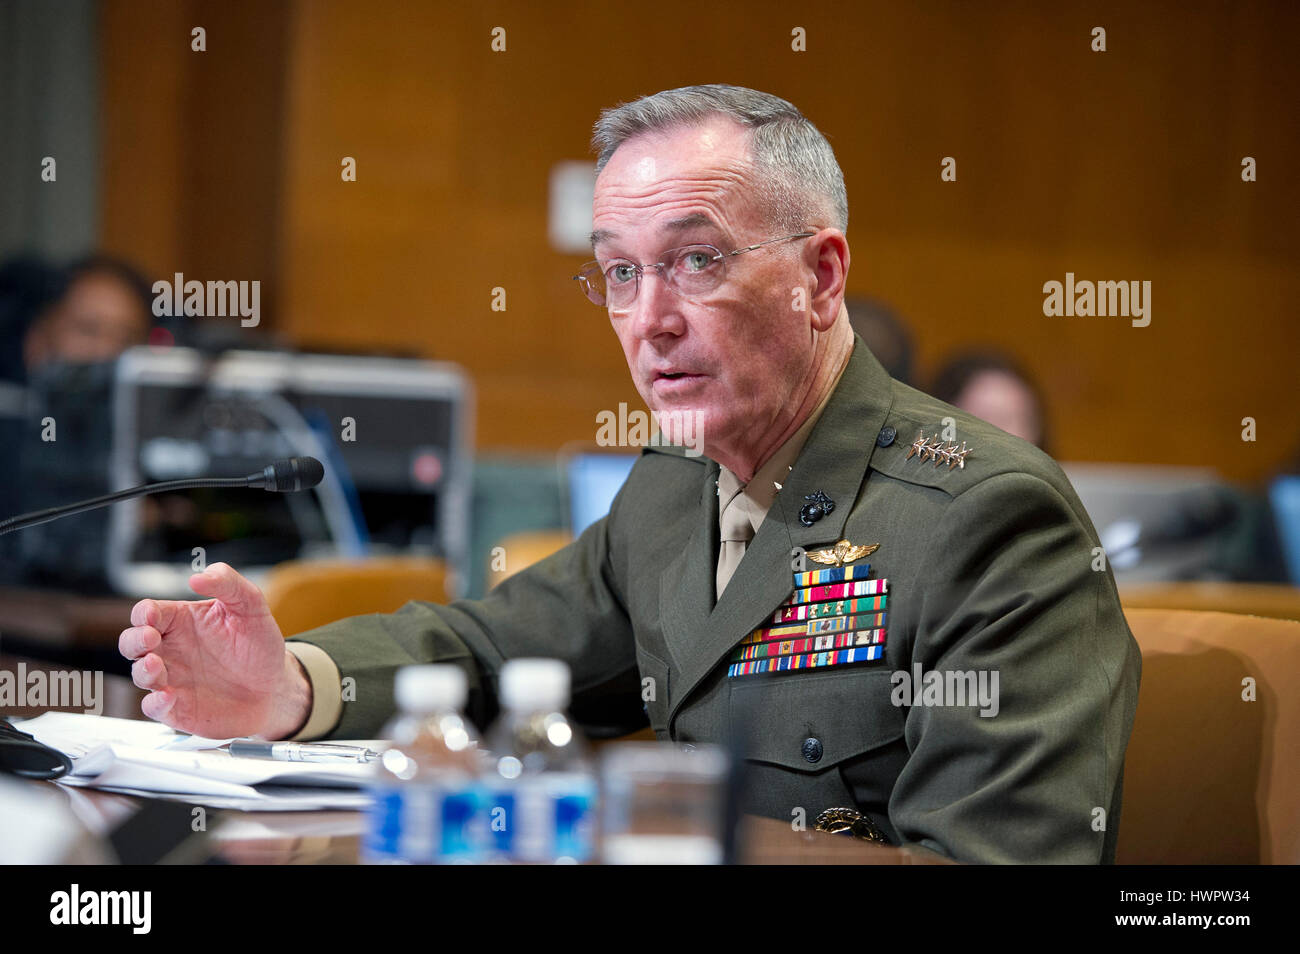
(304,594)
(1211,778)
(1257,599)
(520,550)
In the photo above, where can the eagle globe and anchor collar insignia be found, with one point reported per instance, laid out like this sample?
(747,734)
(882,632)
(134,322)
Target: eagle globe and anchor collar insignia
(835,616)
(818,506)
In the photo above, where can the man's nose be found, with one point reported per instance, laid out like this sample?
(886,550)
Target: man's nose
(657,309)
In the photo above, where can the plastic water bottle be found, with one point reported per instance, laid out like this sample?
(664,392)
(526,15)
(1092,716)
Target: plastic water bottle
(539,786)
(426,796)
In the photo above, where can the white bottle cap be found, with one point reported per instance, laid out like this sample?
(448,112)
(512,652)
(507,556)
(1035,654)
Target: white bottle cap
(429,688)
(532,684)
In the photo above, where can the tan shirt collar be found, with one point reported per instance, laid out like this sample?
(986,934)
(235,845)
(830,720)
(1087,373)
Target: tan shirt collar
(756,497)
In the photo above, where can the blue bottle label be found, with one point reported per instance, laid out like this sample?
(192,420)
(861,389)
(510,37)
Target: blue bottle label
(543,819)
(423,824)
(574,815)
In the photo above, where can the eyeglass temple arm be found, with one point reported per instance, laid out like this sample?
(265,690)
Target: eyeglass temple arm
(783,238)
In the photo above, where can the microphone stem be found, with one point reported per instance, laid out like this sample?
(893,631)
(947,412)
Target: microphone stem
(44,516)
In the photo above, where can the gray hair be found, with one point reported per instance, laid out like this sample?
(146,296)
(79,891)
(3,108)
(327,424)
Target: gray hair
(798,174)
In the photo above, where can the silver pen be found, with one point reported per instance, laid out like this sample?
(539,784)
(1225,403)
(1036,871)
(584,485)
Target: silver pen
(301,751)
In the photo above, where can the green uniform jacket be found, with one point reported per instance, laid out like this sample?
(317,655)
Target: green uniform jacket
(993,567)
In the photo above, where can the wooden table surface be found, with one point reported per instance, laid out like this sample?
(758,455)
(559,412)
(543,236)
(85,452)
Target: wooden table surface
(333,837)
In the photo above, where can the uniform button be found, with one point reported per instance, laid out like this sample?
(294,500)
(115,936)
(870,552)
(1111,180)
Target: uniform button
(886,436)
(812,750)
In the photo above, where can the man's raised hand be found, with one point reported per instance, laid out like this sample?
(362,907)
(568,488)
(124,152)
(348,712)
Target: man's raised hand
(216,667)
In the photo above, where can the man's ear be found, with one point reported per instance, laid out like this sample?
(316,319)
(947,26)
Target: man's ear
(827,254)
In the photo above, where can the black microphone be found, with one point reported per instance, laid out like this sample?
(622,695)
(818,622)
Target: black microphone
(289,476)
(283,476)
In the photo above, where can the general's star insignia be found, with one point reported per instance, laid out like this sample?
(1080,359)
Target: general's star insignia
(842,553)
(926,448)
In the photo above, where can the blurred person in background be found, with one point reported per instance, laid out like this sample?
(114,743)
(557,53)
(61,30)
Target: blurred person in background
(27,284)
(64,328)
(885,333)
(995,389)
(101,306)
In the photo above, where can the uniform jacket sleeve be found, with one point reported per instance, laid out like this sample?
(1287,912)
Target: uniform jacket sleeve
(1017,592)
(568,606)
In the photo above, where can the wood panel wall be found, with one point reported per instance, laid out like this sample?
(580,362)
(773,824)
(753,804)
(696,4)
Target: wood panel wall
(1122,165)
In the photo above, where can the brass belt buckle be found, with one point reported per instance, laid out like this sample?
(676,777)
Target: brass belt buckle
(859,825)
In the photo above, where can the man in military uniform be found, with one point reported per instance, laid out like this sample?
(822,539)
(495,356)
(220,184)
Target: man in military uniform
(956,671)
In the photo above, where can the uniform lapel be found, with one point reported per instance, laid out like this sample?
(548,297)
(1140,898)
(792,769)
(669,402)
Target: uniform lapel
(686,586)
(835,459)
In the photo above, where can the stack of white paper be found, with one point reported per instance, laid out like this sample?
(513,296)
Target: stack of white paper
(148,758)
